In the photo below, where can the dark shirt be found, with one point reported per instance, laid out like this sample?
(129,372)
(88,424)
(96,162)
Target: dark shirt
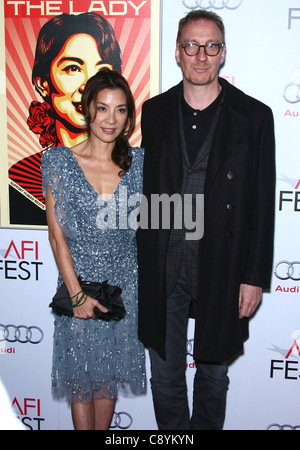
(197,130)
(196,124)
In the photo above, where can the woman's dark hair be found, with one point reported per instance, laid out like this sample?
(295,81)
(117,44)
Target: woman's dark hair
(54,34)
(108,79)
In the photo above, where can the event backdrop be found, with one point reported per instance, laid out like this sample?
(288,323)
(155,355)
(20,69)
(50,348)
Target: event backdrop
(263,60)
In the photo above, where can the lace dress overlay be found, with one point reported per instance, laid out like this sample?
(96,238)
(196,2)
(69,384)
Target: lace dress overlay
(94,358)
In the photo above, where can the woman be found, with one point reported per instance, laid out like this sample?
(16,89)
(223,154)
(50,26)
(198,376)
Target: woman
(69,50)
(93,359)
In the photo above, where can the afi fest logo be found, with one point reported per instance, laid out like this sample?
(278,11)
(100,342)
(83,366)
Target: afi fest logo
(28,410)
(287,367)
(20,261)
(290,199)
(212,4)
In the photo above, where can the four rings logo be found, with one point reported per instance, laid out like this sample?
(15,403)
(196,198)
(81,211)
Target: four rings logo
(286,270)
(292,93)
(276,426)
(190,347)
(121,420)
(214,4)
(21,334)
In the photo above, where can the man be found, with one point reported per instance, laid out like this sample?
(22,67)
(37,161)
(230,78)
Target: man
(204,136)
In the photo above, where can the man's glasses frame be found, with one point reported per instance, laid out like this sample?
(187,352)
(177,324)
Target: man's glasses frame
(192,49)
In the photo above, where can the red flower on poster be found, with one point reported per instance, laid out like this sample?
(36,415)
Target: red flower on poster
(41,121)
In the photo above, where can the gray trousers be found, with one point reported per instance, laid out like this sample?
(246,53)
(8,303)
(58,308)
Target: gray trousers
(168,378)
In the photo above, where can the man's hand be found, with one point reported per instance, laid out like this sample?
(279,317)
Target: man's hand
(249,299)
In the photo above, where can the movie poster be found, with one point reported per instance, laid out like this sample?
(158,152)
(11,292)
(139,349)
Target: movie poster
(51,49)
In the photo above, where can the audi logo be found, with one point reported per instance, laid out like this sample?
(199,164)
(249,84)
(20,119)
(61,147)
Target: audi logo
(190,347)
(292,93)
(214,4)
(286,270)
(276,426)
(121,420)
(21,333)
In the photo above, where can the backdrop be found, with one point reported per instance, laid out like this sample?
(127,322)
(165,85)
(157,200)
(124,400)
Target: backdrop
(263,60)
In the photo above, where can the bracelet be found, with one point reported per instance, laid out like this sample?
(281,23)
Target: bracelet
(79,301)
(76,295)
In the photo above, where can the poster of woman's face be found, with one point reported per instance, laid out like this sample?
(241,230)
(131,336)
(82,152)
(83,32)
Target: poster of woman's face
(51,58)
(69,50)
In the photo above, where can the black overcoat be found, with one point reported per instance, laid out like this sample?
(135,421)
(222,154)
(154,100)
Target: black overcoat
(237,246)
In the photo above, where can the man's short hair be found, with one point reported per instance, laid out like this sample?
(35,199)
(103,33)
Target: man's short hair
(193,16)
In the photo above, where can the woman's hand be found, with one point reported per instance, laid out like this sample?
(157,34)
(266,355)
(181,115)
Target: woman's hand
(64,262)
(86,309)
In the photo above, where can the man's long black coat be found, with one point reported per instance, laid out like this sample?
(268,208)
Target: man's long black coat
(237,246)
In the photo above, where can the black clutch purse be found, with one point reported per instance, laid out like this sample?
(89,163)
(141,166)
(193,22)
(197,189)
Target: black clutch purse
(107,295)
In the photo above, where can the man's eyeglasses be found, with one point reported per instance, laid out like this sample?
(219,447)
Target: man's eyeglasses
(192,49)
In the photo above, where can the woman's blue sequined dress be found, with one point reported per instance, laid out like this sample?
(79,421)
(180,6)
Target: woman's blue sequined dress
(94,358)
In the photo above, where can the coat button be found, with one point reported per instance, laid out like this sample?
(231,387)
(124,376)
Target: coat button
(229,235)
(229,206)
(229,175)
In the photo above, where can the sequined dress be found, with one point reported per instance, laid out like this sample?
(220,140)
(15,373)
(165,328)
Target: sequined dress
(94,358)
